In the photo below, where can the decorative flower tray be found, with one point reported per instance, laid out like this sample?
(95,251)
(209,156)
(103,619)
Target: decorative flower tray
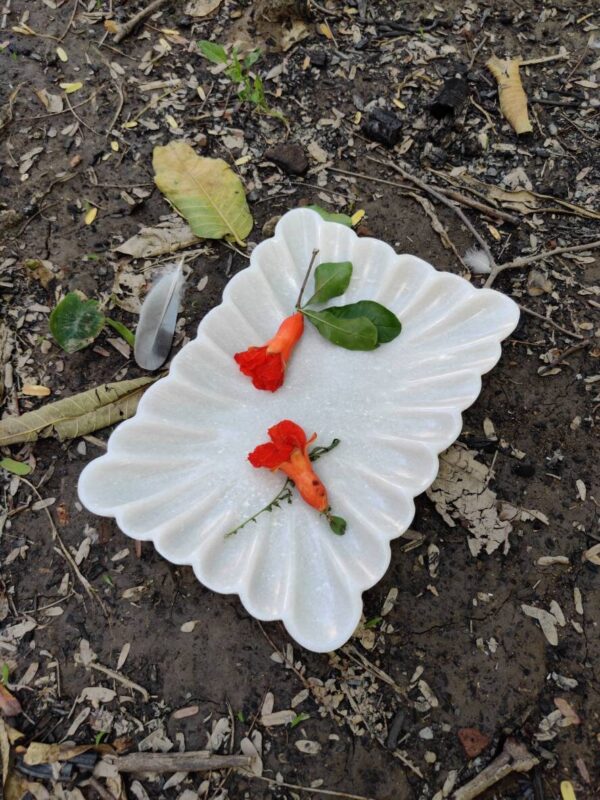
(177,474)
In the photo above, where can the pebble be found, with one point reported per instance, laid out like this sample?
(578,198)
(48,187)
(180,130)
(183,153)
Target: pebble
(318,58)
(383,127)
(289,156)
(426,733)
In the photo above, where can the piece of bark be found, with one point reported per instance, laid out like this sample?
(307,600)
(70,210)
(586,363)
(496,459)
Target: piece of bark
(195,761)
(451,98)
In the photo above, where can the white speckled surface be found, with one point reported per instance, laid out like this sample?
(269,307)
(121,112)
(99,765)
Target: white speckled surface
(177,473)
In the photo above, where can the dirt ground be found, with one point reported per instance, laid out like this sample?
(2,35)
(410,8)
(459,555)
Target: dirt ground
(454,649)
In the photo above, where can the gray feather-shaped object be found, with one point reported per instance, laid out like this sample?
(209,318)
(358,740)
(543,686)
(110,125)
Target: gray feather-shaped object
(158,317)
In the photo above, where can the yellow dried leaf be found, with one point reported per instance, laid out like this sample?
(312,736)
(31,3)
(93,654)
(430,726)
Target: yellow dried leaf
(513,100)
(62,54)
(495,232)
(90,215)
(25,29)
(110,26)
(204,190)
(325,30)
(35,390)
(399,104)
(114,146)
(131,124)
(242,160)
(171,121)
(69,88)
(566,791)
(357,118)
(357,217)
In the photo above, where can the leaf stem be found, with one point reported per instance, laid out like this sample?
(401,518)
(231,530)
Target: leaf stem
(285,493)
(315,253)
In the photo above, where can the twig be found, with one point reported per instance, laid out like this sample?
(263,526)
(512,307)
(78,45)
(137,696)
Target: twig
(514,758)
(194,761)
(116,676)
(544,59)
(323,10)
(442,199)
(102,791)
(575,348)
(551,322)
(127,27)
(309,789)
(78,118)
(315,253)
(55,534)
(70,22)
(489,211)
(524,261)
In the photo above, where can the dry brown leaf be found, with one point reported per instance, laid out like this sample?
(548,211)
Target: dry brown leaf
(513,100)
(157,241)
(202,8)
(547,622)
(9,705)
(460,494)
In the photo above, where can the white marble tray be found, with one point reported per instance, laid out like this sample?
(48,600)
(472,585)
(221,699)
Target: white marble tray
(177,473)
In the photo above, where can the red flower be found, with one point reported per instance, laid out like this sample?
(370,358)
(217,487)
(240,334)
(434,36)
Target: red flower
(266,365)
(287,451)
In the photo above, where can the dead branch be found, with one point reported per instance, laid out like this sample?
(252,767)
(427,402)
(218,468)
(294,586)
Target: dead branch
(127,27)
(525,261)
(515,757)
(194,761)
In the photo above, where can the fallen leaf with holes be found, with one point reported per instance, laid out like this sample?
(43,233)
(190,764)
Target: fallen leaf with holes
(205,191)
(473,741)
(308,747)
(513,100)
(461,494)
(157,241)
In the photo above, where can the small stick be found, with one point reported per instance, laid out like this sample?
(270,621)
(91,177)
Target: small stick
(551,322)
(514,758)
(116,676)
(442,199)
(315,253)
(309,789)
(524,261)
(127,27)
(70,22)
(102,791)
(569,352)
(544,59)
(194,761)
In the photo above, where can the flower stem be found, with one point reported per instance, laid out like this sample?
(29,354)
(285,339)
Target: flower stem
(285,493)
(315,253)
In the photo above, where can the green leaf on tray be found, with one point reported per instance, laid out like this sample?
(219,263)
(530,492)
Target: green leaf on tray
(16,467)
(76,322)
(77,415)
(213,51)
(331,280)
(337,525)
(331,216)
(206,191)
(387,323)
(353,334)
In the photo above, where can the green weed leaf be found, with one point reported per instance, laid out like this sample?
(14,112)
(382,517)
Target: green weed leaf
(213,52)
(76,322)
(331,280)
(387,323)
(353,334)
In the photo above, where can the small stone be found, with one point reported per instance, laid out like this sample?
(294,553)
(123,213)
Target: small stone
(430,757)
(426,733)
(524,470)
(473,741)
(290,157)
(319,58)
(383,127)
